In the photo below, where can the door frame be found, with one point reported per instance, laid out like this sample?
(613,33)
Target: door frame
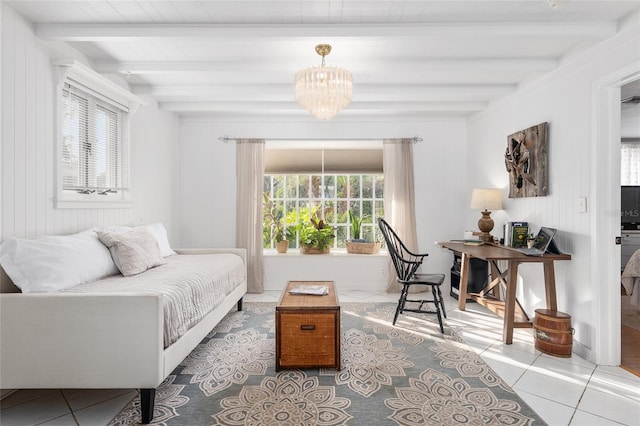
(605,212)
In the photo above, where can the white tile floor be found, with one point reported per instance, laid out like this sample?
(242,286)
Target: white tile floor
(563,391)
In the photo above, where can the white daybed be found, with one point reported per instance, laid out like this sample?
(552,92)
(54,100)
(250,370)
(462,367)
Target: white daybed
(77,338)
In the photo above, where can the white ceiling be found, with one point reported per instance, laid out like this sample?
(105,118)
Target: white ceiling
(409,59)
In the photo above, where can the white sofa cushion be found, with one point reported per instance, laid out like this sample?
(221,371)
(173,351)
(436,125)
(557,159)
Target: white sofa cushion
(133,251)
(52,263)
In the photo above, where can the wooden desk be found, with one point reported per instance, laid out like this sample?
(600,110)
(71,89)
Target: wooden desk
(510,308)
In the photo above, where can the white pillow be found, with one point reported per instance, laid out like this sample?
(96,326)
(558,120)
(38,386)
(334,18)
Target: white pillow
(133,251)
(157,230)
(52,263)
(160,233)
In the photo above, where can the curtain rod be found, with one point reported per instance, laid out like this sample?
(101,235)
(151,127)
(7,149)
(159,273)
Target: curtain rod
(226,139)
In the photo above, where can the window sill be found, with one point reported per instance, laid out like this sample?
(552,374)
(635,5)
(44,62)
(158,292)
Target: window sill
(93,204)
(292,252)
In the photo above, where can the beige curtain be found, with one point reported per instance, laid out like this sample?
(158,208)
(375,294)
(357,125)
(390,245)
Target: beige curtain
(399,201)
(250,177)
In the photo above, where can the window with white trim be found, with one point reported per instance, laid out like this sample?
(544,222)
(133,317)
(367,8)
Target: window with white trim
(93,139)
(329,182)
(94,151)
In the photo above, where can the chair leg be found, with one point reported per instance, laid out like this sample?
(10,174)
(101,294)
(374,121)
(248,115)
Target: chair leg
(444,312)
(401,302)
(437,303)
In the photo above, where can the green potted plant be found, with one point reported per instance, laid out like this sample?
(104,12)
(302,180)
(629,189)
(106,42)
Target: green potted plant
(356,226)
(315,236)
(357,245)
(274,224)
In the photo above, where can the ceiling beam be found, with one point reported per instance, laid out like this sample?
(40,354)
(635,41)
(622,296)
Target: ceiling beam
(362,92)
(98,32)
(292,107)
(380,65)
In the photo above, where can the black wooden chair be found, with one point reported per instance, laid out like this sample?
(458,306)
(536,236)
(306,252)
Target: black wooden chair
(406,264)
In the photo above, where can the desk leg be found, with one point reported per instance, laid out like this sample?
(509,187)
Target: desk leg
(510,302)
(550,285)
(462,288)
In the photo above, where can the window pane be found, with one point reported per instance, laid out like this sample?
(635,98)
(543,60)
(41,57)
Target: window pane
(341,236)
(367,211)
(343,211)
(316,186)
(267,185)
(303,187)
(73,138)
(330,212)
(329,186)
(379,186)
(354,186)
(278,186)
(367,233)
(292,213)
(342,186)
(367,186)
(292,186)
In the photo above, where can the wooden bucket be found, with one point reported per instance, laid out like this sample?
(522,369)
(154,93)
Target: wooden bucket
(553,332)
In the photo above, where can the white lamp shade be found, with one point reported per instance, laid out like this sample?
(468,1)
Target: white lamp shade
(486,199)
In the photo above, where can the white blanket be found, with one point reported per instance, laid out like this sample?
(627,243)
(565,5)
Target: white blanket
(192,286)
(631,278)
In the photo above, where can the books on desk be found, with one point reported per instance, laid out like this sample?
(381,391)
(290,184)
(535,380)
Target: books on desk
(473,242)
(515,234)
(313,290)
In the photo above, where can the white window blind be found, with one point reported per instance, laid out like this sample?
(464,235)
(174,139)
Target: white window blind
(94,149)
(630,164)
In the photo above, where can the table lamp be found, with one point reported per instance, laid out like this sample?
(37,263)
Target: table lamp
(486,199)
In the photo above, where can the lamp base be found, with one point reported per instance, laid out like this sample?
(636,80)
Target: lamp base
(485,224)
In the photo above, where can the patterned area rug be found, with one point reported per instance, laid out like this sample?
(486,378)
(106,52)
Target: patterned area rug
(404,375)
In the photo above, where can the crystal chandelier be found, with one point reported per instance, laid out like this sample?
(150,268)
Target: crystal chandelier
(323,91)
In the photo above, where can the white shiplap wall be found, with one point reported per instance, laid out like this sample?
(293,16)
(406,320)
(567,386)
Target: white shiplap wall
(564,99)
(28,147)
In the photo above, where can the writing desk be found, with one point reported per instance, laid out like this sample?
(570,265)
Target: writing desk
(510,308)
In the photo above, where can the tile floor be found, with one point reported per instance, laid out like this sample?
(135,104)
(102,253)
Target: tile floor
(563,391)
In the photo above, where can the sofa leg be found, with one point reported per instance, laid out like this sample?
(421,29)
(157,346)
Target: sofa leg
(147,400)
(240,304)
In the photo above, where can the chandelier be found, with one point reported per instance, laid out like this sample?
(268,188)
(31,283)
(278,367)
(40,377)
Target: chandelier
(323,91)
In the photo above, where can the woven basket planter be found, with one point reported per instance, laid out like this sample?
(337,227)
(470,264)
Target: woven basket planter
(314,250)
(363,248)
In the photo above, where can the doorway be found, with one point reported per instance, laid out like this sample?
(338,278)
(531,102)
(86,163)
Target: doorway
(605,214)
(630,221)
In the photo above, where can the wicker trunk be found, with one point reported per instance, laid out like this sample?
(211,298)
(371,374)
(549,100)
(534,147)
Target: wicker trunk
(308,329)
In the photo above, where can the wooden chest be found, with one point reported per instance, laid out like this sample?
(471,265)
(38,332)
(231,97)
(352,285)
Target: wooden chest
(308,329)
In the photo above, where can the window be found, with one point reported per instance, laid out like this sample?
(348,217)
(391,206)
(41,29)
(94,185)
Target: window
(328,182)
(93,151)
(630,164)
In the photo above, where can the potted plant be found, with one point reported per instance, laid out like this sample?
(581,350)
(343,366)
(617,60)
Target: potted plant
(356,226)
(315,236)
(357,245)
(273,224)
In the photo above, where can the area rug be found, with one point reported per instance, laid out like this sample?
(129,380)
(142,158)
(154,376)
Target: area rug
(409,374)
(630,313)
